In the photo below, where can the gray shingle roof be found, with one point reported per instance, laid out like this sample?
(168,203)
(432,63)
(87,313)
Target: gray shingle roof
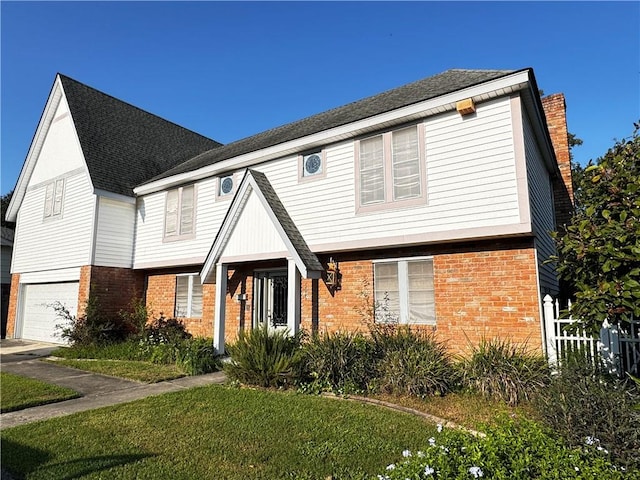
(425,89)
(299,244)
(123,145)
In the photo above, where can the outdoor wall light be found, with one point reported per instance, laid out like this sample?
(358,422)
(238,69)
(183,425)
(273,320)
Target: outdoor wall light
(334,278)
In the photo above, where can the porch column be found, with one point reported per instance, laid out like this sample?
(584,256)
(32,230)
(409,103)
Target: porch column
(293,297)
(219,309)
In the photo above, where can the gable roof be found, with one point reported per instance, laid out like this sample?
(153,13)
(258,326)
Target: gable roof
(257,183)
(425,89)
(123,145)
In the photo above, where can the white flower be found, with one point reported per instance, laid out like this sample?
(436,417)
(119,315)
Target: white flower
(476,472)
(444,449)
(428,470)
(439,427)
(391,467)
(420,453)
(591,440)
(406,453)
(432,441)
(383,477)
(577,469)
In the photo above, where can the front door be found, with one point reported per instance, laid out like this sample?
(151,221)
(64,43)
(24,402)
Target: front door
(270,299)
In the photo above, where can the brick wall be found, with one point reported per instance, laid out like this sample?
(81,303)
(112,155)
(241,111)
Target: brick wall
(114,288)
(555,112)
(481,289)
(160,298)
(487,293)
(13,305)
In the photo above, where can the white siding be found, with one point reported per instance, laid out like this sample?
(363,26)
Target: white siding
(60,151)
(471,184)
(59,242)
(151,249)
(244,241)
(115,233)
(542,218)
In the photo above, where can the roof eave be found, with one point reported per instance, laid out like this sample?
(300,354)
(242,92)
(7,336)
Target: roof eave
(505,85)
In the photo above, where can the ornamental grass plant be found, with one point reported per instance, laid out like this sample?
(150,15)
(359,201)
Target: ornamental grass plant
(264,357)
(502,370)
(339,362)
(411,362)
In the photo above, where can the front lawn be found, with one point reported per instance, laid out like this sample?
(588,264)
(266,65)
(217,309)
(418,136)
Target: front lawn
(18,392)
(139,371)
(216,432)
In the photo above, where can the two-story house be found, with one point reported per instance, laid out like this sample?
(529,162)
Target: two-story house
(433,201)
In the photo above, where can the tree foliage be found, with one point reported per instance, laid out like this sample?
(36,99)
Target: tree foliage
(600,252)
(4,201)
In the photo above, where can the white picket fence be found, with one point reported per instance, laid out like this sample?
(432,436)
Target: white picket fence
(617,347)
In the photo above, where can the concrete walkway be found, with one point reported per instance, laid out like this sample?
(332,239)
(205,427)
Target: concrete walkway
(23,358)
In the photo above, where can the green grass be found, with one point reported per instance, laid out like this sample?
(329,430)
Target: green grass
(18,392)
(216,432)
(145,372)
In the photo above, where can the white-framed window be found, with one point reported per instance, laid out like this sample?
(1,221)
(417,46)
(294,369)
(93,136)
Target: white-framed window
(179,214)
(53,198)
(311,166)
(188,296)
(226,186)
(390,169)
(404,291)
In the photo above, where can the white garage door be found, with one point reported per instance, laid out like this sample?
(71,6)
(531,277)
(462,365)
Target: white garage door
(39,319)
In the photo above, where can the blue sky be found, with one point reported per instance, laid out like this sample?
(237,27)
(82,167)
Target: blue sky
(231,69)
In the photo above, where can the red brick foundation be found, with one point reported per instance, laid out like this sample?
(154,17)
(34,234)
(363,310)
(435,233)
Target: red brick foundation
(13,305)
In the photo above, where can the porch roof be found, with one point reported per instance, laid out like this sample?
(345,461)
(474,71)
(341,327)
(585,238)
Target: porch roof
(256,183)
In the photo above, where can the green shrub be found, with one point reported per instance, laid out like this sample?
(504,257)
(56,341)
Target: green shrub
(339,362)
(135,317)
(168,331)
(91,328)
(503,370)
(585,404)
(265,358)
(197,356)
(412,362)
(521,450)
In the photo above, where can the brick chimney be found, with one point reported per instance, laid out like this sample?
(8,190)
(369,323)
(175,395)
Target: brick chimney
(555,111)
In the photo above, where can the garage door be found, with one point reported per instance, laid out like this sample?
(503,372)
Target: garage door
(39,319)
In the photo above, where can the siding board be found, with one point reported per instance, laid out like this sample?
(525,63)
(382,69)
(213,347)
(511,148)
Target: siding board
(114,233)
(471,182)
(58,242)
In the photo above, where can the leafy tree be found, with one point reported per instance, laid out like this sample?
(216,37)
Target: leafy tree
(5,199)
(600,252)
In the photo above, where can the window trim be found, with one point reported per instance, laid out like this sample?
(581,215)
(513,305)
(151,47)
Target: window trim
(189,308)
(403,286)
(389,203)
(178,235)
(318,176)
(50,213)
(228,196)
